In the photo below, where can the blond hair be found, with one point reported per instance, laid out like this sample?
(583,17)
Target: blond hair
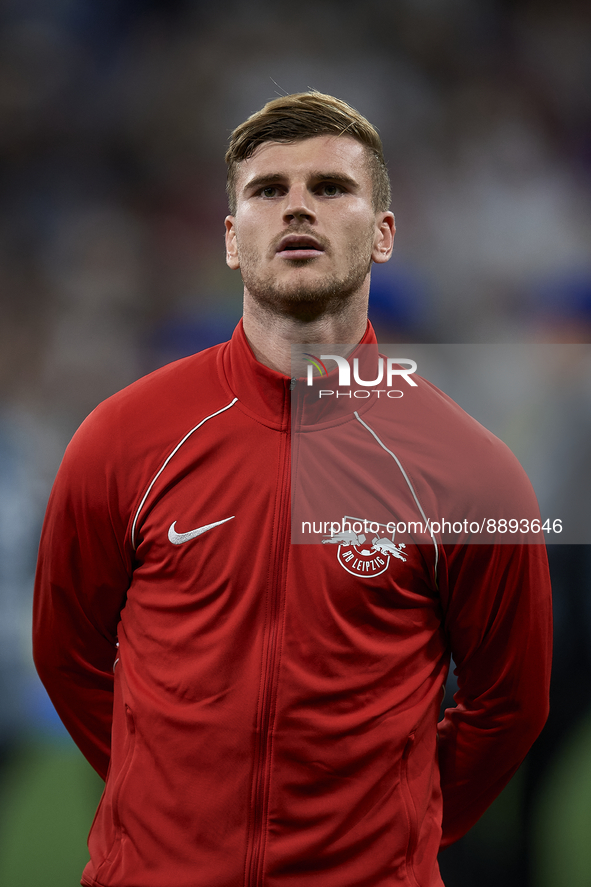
(303,115)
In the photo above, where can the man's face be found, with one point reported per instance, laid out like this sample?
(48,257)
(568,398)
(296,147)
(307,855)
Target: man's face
(305,231)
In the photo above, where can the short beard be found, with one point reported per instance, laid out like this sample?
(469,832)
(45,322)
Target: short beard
(308,301)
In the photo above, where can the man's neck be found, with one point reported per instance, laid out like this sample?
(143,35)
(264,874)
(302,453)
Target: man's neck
(271,335)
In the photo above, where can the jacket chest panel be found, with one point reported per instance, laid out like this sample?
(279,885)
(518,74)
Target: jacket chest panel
(352,630)
(206,535)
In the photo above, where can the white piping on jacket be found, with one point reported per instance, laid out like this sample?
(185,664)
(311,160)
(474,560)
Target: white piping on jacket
(167,460)
(407,479)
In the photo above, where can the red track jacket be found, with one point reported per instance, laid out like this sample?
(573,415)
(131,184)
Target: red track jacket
(265,711)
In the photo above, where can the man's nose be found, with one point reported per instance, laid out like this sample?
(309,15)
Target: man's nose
(299,205)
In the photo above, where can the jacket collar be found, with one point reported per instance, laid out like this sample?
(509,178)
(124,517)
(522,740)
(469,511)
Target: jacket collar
(266,395)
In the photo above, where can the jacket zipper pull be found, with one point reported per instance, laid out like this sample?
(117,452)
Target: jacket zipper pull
(293,384)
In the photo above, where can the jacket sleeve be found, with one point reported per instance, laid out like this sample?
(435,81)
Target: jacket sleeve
(83,574)
(497,608)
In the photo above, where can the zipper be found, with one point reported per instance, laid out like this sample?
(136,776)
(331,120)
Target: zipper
(261,775)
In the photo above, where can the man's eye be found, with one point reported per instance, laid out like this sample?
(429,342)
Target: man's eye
(330,190)
(269,191)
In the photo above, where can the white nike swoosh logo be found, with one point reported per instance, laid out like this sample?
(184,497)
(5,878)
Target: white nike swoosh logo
(179,538)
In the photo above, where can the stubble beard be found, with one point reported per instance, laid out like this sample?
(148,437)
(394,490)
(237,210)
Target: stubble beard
(307,299)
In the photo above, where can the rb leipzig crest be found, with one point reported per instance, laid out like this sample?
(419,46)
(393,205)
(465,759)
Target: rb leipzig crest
(360,556)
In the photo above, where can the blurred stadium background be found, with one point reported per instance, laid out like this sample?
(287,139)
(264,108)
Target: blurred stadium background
(114,115)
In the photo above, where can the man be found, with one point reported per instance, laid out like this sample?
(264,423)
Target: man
(265,713)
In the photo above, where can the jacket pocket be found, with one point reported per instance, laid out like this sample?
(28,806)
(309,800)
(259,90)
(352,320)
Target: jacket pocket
(125,768)
(107,817)
(409,808)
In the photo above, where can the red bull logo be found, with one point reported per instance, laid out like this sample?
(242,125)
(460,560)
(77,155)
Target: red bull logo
(361,557)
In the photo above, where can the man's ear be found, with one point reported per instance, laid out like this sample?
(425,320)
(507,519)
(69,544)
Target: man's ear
(384,238)
(231,247)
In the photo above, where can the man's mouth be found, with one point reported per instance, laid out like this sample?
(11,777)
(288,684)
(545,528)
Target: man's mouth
(299,246)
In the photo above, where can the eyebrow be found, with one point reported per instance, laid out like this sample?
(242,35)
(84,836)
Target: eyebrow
(338,178)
